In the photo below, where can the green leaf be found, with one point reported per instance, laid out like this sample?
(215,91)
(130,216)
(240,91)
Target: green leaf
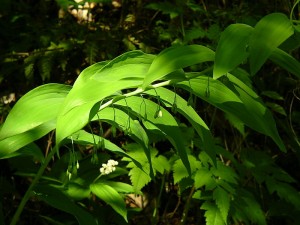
(110,196)
(79,103)
(232,49)
(120,186)
(175,58)
(140,176)
(194,33)
(126,123)
(124,72)
(191,115)
(203,177)
(261,118)
(222,201)
(242,102)
(236,123)
(89,72)
(160,164)
(251,208)
(166,123)
(284,191)
(276,108)
(84,138)
(272,94)
(286,61)
(57,199)
(30,149)
(130,65)
(35,108)
(77,191)
(224,172)
(271,31)
(179,169)
(45,64)
(11,146)
(213,215)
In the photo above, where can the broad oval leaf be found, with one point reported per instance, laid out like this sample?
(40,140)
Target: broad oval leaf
(175,58)
(130,65)
(286,61)
(35,108)
(82,98)
(33,116)
(261,118)
(271,31)
(242,102)
(110,196)
(9,147)
(232,49)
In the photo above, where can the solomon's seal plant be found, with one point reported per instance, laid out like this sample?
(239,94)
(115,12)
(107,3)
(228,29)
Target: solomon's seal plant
(122,94)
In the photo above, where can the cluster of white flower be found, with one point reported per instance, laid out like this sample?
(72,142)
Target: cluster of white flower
(108,167)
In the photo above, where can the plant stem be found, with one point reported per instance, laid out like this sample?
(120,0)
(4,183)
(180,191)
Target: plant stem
(161,84)
(27,195)
(155,213)
(187,206)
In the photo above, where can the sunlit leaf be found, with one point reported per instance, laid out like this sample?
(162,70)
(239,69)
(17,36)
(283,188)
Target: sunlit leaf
(268,34)
(76,191)
(141,176)
(222,201)
(120,186)
(138,177)
(9,147)
(232,49)
(179,170)
(35,108)
(203,177)
(125,71)
(212,214)
(175,58)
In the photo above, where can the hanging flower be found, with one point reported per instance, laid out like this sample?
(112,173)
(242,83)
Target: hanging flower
(108,167)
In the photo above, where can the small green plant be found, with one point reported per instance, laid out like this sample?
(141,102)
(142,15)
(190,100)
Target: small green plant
(143,97)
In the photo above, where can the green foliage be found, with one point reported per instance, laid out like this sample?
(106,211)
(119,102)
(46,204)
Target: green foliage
(111,197)
(187,118)
(141,176)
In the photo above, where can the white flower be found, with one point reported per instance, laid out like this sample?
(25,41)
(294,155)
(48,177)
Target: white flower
(108,167)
